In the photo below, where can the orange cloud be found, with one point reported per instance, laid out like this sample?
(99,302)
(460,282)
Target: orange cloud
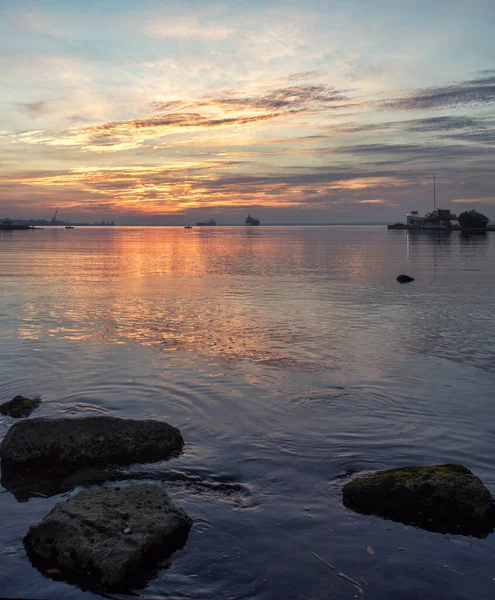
(228,110)
(155,189)
(485,200)
(126,135)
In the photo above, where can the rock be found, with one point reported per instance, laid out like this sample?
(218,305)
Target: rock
(442,498)
(404,279)
(69,444)
(109,537)
(19,406)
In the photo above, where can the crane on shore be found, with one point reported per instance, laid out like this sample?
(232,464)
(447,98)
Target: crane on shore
(54,217)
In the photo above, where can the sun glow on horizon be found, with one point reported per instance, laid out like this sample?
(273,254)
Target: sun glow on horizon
(252,110)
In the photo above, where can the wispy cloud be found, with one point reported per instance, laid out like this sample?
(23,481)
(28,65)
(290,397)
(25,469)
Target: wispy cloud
(483,200)
(476,137)
(474,91)
(424,152)
(194,185)
(34,109)
(188,28)
(224,111)
(446,123)
(126,135)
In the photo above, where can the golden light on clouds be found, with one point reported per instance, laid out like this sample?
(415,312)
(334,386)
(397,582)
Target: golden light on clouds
(208,128)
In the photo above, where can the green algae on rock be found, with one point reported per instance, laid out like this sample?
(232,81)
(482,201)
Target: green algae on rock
(440,498)
(19,406)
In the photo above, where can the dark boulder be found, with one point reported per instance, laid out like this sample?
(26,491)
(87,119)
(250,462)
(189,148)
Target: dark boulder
(442,498)
(109,537)
(19,406)
(70,444)
(404,279)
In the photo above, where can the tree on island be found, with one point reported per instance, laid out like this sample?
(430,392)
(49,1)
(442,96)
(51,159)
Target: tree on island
(441,216)
(472,219)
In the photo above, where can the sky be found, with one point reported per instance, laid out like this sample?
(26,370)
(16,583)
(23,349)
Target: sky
(315,111)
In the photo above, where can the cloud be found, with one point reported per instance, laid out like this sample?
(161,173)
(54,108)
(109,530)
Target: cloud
(446,123)
(471,92)
(486,200)
(132,133)
(478,137)
(315,97)
(287,98)
(411,151)
(191,185)
(219,111)
(188,28)
(33,109)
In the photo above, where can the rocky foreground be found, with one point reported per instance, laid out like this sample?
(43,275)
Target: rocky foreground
(441,498)
(104,537)
(110,537)
(113,537)
(76,443)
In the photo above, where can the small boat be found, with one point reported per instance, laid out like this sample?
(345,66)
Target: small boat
(69,227)
(187,226)
(397,226)
(210,222)
(251,220)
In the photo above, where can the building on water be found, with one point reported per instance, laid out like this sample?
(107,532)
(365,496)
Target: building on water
(438,219)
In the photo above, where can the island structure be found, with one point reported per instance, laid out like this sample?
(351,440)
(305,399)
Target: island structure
(439,219)
(9,225)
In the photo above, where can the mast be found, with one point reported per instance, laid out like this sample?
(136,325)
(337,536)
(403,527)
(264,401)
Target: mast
(434,194)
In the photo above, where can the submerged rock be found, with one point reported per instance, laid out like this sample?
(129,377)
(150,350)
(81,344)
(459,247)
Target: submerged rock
(404,279)
(69,444)
(19,406)
(110,537)
(442,498)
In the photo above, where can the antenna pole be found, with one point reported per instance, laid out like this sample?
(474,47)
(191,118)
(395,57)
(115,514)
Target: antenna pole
(434,194)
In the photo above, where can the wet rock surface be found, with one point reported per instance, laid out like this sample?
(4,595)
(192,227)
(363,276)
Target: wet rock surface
(109,537)
(441,498)
(19,406)
(69,444)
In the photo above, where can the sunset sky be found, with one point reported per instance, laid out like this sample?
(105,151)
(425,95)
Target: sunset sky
(298,112)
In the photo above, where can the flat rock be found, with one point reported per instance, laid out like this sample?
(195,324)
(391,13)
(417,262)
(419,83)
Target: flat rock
(19,406)
(74,443)
(441,498)
(109,537)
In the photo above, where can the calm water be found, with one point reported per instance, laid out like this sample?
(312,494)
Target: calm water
(290,358)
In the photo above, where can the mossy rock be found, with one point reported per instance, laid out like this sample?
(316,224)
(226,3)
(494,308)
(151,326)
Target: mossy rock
(441,498)
(19,406)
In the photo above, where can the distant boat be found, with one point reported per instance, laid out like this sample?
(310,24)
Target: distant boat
(210,222)
(187,226)
(397,226)
(251,220)
(69,227)
(9,225)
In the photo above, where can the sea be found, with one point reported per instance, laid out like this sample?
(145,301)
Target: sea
(291,360)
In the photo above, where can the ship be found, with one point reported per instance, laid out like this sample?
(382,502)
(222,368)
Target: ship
(210,222)
(251,220)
